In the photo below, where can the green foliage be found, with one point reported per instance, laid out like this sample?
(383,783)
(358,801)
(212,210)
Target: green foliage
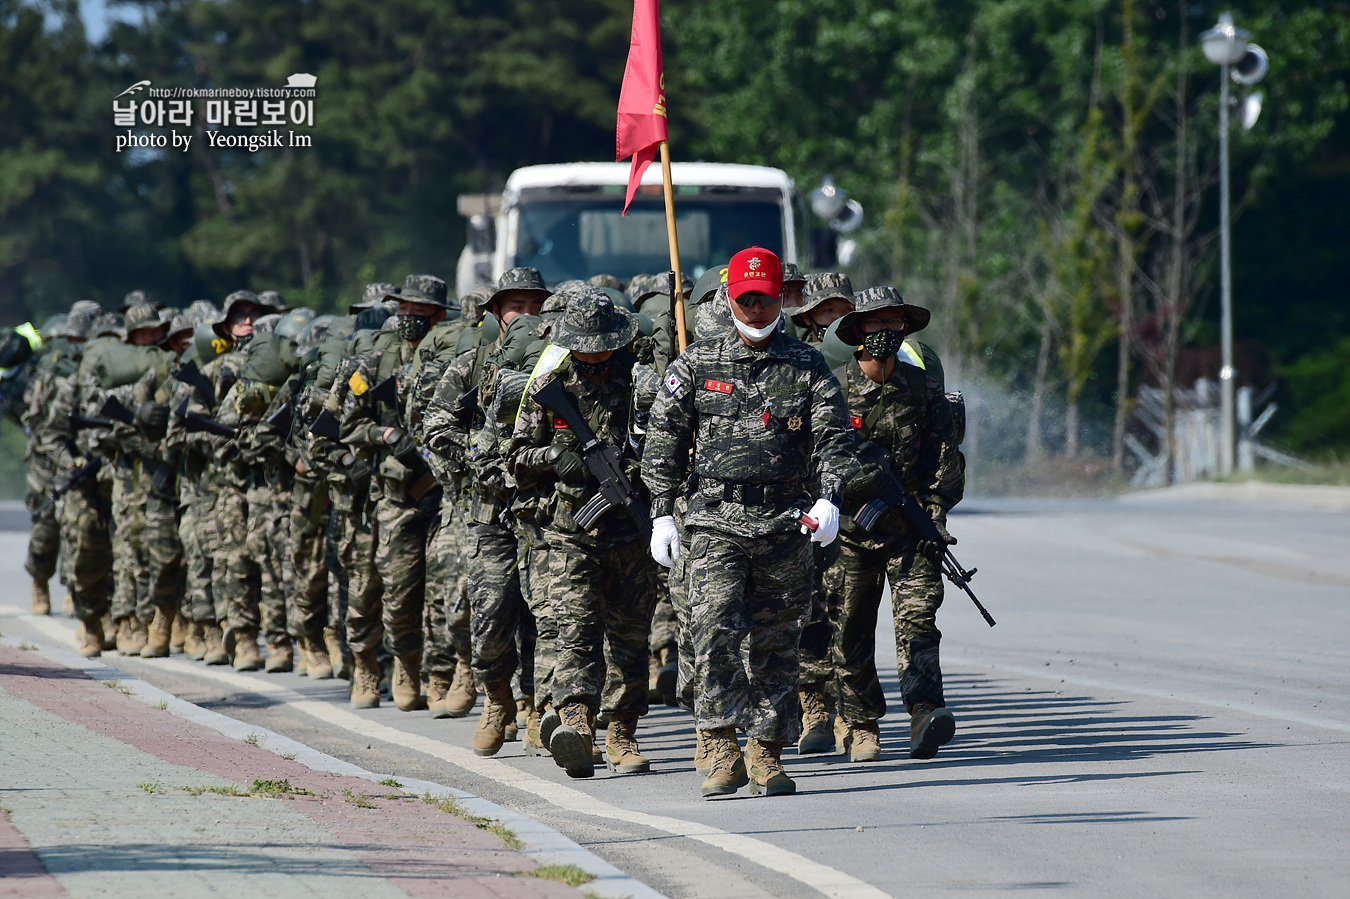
(1319,387)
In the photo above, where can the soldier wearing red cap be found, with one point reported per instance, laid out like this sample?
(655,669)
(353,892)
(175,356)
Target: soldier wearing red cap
(758,420)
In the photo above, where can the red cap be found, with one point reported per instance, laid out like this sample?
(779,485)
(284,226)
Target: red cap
(755,270)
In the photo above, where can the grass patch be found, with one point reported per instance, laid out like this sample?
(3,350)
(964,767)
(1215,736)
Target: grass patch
(254,739)
(230,790)
(568,874)
(452,807)
(151,788)
(118,686)
(162,705)
(278,788)
(390,782)
(288,756)
(360,800)
(27,647)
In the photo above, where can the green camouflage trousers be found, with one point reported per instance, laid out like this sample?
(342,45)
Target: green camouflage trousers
(44,541)
(677,585)
(854,585)
(86,547)
(664,624)
(445,619)
(128,550)
(495,601)
(359,578)
(816,666)
(197,531)
(748,597)
(403,533)
(308,593)
(244,573)
(602,598)
(538,645)
(164,557)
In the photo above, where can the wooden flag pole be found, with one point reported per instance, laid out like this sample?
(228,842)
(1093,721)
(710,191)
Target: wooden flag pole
(678,287)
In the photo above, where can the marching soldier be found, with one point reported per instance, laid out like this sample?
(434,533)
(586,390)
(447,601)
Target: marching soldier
(757,416)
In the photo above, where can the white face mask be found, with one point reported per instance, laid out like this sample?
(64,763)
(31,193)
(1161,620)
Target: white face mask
(754,335)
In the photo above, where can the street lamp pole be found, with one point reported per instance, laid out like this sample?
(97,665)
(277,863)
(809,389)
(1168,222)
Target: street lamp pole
(1228,434)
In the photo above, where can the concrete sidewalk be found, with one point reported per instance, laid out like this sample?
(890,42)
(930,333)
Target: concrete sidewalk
(1309,497)
(105,794)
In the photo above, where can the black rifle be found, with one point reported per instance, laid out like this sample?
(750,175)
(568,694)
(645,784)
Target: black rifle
(195,422)
(191,375)
(385,392)
(895,496)
(601,459)
(80,422)
(112,408)
(282,419)
(88,470)
(466,409)
(326,425)
(162,473)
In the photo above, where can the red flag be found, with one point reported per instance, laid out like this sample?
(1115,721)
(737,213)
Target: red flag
(642,100)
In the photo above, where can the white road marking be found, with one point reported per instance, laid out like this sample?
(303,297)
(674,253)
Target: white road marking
(827,880)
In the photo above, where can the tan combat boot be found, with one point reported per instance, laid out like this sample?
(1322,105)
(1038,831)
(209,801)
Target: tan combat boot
(91,638)
(336,657)
(438,688)
(866,739)
(215,646)
(843,736)
(726,772)
(68,607)
(365,682)
(406,684)
(138,635)
(816,735)
(524,705)
(280,656)
(767,776)
(122,635)
(318,666)
(463,695)
(702,752)
(109,631)
(622,755)
(668,677)
(929,728)
(534,741)
(548,723)
(572,741)
(42,598)
(246,655)
(499,709)
(178,634)
(194,644)
(158,637)
(653,672)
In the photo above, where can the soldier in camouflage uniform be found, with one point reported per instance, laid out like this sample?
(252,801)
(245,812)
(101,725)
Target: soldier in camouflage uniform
(602,584)
(909,428)
(826,298)
(764,418)
(407,513)
(463,429)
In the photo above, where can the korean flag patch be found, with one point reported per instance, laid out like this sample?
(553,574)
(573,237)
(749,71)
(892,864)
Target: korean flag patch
(672,384)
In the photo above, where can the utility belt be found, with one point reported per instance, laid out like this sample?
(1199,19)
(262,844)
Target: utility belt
(769,494)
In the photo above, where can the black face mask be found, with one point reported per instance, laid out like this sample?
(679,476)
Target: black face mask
(241,342)
(883,344)
(589,369)
(413,328)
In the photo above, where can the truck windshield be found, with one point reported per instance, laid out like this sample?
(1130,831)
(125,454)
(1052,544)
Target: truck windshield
(571,237)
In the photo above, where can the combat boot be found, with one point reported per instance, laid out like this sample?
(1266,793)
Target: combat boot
(365,681)
(194,645)
(726,772)
(91,638)
(246,655)
(816,735)
(109,631)
(499,708)
(622,755)
(438,688)
(573,741)
(215,646)
(767,777)
(548,723)
(668,677)
(702,752)
(158,637)
(317,664)
(929,728)
(42,598)
(843,736)
(68,607)
(534,742)
(280,656)
(653,672)
(336,657)
(463,695)
(405,686)
(866,742)
(524,707)
(178,634)
(122,639)
(138,635)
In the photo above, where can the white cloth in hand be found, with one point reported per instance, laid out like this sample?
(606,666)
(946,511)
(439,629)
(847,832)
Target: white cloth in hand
(666,539)
(826,515)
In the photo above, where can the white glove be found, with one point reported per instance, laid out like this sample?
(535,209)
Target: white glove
(666,539)
(826,515)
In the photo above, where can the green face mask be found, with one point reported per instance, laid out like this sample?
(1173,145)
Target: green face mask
(883,344)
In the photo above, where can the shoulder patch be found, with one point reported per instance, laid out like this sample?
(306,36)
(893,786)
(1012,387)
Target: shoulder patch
(672,384)
(358,384)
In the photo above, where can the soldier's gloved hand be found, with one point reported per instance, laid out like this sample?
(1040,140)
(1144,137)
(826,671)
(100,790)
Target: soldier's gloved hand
(826,515)
(567,464)
(665,541)
(153,418)
(934,550)
(864,486)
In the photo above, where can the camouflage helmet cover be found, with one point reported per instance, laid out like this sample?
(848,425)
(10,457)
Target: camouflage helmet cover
(593,324)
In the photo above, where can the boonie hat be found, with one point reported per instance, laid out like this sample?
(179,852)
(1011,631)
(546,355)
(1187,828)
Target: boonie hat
(874,298)
(591,323)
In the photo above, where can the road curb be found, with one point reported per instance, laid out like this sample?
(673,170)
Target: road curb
(1309,497)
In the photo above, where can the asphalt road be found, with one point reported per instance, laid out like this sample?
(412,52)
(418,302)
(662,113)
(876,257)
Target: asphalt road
(1163,709)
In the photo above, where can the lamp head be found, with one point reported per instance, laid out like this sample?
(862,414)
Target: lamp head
(828,200)
(1225,43)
